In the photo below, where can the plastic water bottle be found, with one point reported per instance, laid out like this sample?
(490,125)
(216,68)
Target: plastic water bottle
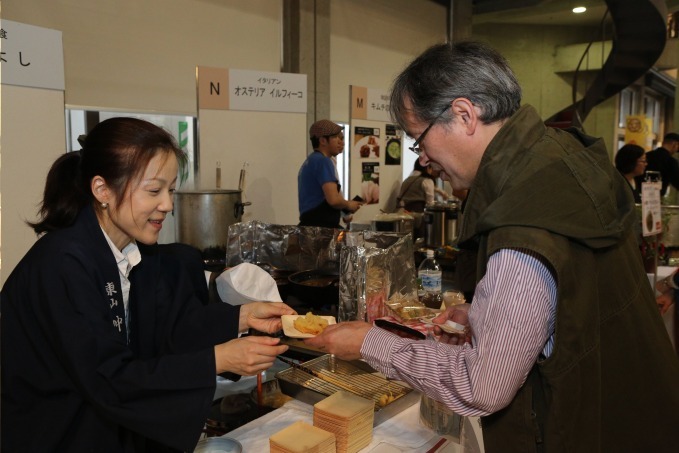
(429,273)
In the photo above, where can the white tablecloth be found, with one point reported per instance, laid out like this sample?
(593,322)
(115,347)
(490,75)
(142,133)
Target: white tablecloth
(401,433)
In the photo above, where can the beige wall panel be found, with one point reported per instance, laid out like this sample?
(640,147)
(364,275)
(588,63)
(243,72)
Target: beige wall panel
(33,136)
(142,55)
(372,42)
(273,144)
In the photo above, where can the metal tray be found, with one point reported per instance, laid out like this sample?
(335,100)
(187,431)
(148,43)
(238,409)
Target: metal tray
(342,375)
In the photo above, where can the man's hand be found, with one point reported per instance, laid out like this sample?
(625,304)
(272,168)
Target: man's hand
(459,314)
(353,205)
(344,339)
(665,301)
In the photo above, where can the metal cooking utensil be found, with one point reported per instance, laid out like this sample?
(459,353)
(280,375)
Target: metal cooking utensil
(320,375)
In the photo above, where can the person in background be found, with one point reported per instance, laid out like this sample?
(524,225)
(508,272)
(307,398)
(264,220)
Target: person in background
(667,287)
(662,160)
(419,188)
(551,220)
(630,160)
(105,343)
(319,192)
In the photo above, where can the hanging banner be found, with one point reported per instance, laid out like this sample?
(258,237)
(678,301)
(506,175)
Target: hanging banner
(31,56)
(651,220)
(239,89)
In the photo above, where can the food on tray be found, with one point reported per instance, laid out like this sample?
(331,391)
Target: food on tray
(386,398)
(310,323)
(407,307)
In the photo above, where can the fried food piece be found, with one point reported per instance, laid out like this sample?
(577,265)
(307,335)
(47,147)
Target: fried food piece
(310,323)
(386,398)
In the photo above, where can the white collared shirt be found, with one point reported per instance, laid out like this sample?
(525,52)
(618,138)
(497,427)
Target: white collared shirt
(126,260)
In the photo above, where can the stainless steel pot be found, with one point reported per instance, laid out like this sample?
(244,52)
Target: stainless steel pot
(440,224)
(399,223)
(202,219)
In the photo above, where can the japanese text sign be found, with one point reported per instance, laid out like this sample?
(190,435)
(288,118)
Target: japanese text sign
(369,104)
(31,56)
(238,89)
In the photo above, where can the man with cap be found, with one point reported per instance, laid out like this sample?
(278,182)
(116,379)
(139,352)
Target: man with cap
(320,200)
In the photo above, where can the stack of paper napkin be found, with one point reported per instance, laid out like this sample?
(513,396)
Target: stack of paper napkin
(349,417)
(301,437)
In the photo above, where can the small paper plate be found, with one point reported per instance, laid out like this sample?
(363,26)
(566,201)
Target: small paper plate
(447,327)
(289,327)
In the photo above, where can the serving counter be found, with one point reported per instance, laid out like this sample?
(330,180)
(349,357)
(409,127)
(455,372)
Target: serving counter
(401,433)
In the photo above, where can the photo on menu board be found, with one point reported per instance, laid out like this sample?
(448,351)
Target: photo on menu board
(367,142)
(392,154)
(370,182)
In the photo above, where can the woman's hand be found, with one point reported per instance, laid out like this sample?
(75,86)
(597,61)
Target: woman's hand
(263,316)
(247,356)
(459,314)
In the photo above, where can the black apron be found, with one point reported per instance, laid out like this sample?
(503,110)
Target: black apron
(322,215)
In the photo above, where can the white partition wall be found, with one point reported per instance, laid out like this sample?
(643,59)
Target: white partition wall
(274,146)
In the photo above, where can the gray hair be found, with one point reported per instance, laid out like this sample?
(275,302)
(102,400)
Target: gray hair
(444,72)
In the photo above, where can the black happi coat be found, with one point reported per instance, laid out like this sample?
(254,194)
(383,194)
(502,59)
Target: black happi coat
(68,372)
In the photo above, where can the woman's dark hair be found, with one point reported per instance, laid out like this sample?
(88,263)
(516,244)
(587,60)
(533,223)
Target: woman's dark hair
(627,157)
(118,150)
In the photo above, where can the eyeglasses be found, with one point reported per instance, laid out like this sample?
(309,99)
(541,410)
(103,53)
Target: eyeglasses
(416,148)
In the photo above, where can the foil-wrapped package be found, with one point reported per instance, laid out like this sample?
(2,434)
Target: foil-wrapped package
(287,247)
(372,265)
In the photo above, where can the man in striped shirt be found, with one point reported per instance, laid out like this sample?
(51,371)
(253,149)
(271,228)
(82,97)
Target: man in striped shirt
(564,328)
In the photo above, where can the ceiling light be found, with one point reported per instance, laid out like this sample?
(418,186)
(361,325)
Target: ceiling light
(579,9)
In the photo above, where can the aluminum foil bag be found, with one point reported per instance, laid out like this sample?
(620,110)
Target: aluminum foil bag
(288,247)
(374,266)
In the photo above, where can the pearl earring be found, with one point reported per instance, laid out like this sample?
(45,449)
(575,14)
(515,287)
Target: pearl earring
(104,205)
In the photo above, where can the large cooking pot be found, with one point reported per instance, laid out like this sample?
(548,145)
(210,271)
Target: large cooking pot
(394,222)
(440,224)
(202,219)
(315,287)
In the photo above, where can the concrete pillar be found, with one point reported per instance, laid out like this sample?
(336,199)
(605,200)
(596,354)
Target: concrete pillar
(306,50)
(459,20)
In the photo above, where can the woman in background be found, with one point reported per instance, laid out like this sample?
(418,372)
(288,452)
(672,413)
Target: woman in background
(105,346)
(631,162)
(419,188)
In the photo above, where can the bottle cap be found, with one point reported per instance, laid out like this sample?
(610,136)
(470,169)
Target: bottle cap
(430,253)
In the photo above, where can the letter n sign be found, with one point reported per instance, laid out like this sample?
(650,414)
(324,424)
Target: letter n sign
(213,88)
